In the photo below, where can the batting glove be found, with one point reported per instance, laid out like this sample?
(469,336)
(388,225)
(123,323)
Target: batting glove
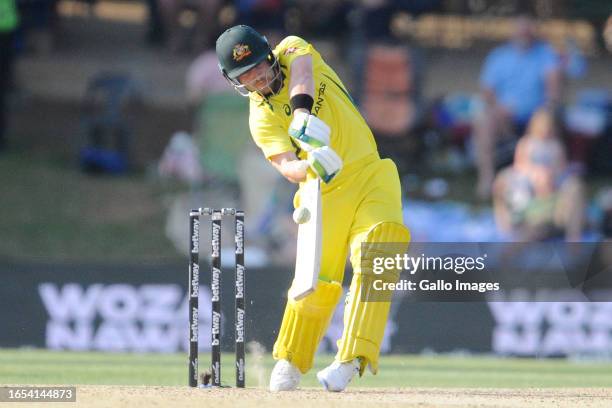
(309,131)
(325,162)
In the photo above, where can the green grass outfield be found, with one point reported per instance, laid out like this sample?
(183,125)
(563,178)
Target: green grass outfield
(51,367)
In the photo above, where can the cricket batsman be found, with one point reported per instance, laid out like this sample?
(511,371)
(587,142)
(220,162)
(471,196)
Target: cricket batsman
(304,120)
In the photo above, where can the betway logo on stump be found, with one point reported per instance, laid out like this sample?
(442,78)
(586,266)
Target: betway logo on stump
(239,326)
(239,235)
(121,317)
(194,329)
(216,329)
(195,280)
(239,281)
(216,238)
(195,237)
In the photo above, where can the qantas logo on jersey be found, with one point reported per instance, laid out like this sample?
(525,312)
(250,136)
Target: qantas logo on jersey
(290,50)
(320,99)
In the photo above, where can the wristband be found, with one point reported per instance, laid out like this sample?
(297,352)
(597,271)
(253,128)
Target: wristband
(301,101)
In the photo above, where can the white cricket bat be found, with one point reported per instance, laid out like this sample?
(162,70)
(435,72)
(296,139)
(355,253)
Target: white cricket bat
(308,255)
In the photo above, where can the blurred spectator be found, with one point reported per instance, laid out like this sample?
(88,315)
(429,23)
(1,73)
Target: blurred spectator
(386,79)
(181,160)
(587,124)
(390,100)
(377,18)
(572,63)
(155,26)
(8,25)
(264,15)
(328,19)
(517,79)
(205,24)
(537,197)
(604,201)
(378,14)
(38,20)
(607,34)
(204,78)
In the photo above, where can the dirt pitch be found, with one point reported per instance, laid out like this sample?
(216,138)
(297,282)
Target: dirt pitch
(147,396)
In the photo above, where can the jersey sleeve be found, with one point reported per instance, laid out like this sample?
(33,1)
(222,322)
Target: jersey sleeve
(268,134)
(291,48)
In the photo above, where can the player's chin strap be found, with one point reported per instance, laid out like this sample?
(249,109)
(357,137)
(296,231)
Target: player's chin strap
(242,88)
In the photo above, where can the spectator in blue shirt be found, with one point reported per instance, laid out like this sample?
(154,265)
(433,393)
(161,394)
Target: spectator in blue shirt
(517,79)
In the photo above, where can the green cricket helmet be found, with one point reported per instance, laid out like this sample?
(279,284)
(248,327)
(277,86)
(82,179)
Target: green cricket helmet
(239,49)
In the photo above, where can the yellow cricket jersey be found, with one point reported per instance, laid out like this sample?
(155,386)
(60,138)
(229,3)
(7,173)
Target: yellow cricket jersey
(270,117)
